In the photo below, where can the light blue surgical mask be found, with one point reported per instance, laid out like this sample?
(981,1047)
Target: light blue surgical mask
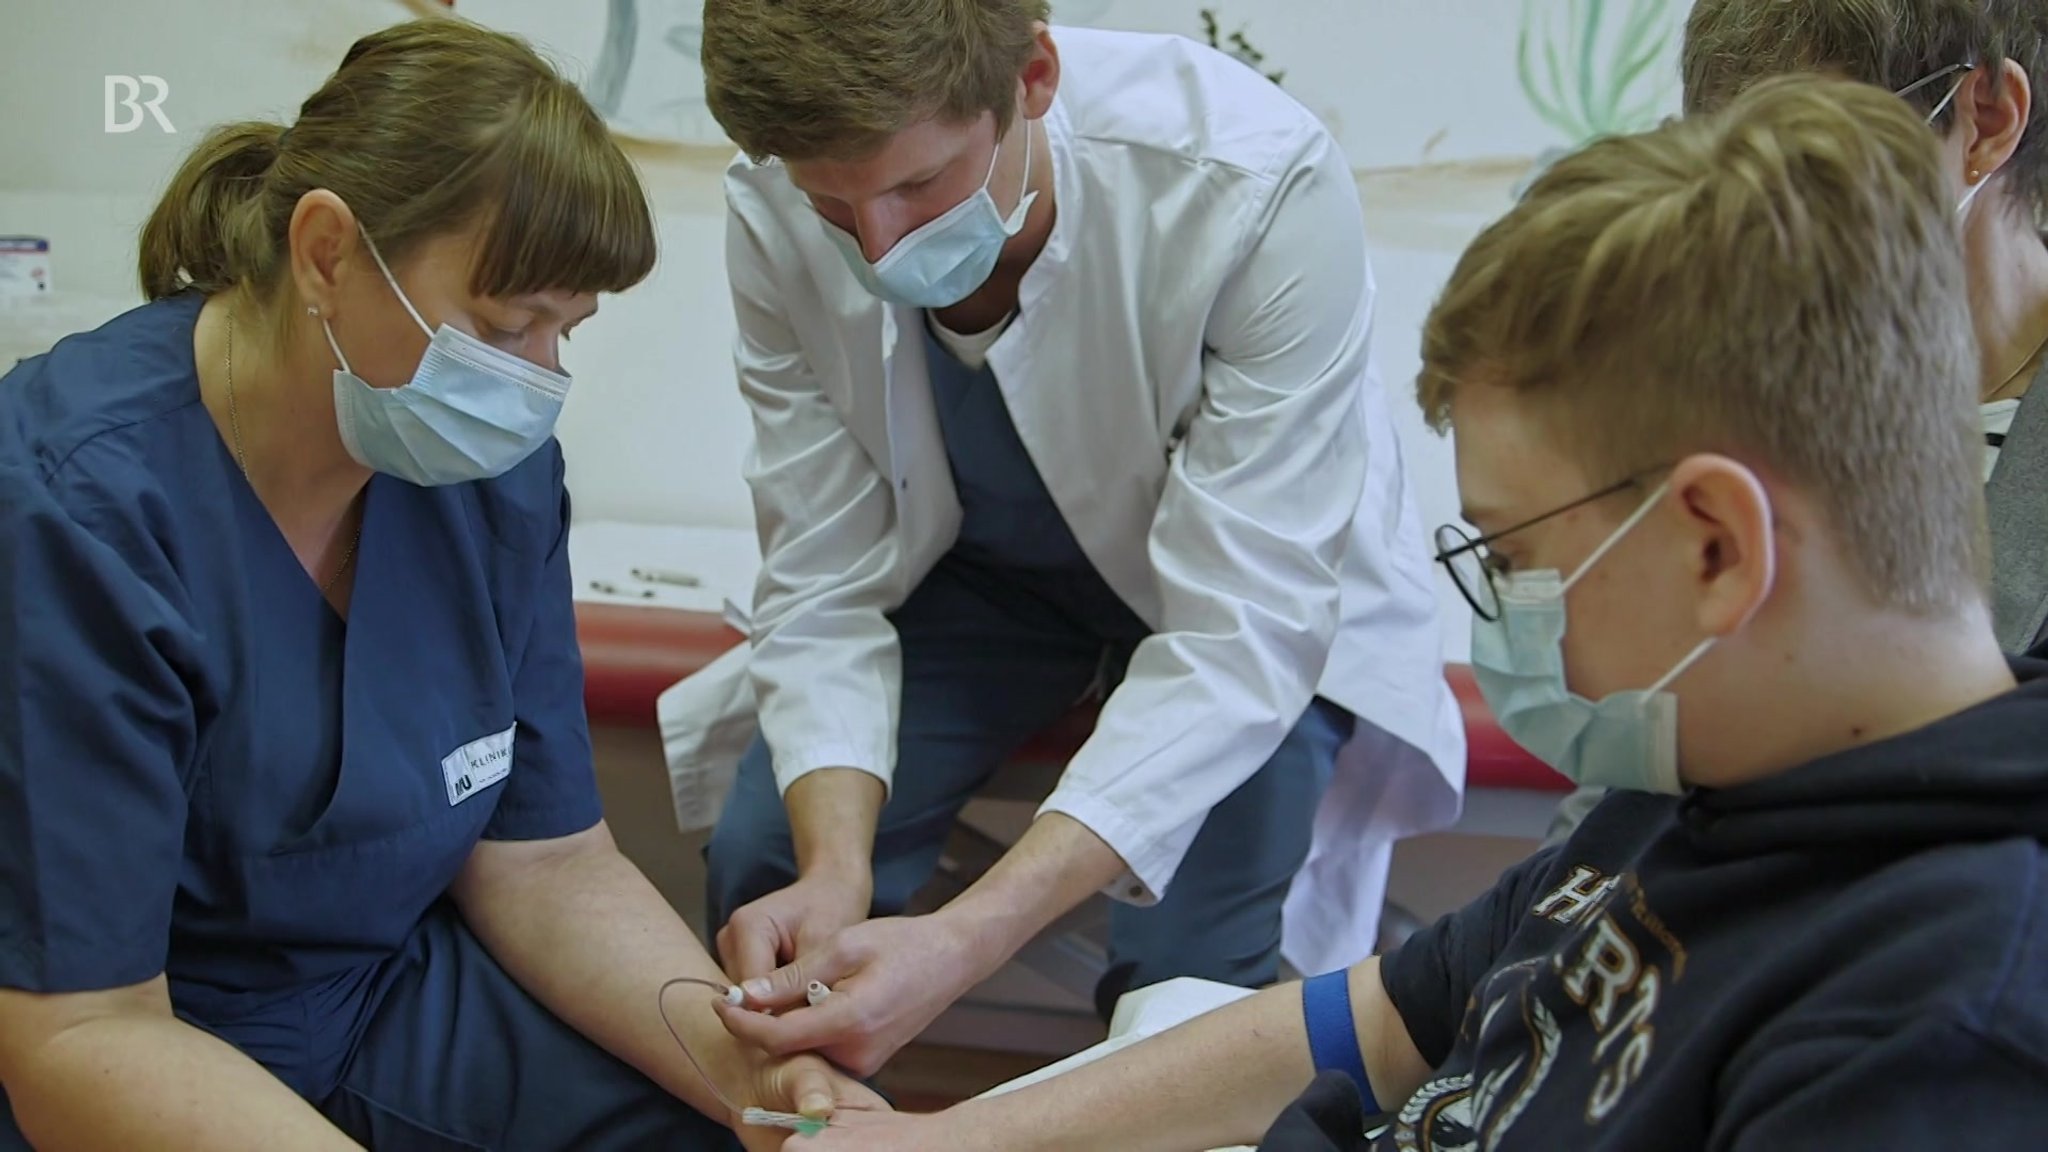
(470,412)
(944,261)
(1628,740)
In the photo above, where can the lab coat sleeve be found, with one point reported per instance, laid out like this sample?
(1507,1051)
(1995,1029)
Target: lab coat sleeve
(552,791)
(1250,534)
(97,731)
(826,665)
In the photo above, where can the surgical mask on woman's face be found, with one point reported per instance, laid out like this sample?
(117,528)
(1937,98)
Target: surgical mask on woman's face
(1627,740)
(470,412)
(945,261)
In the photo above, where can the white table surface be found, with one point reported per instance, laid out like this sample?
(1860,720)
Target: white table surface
(604,554)
(1140,1015)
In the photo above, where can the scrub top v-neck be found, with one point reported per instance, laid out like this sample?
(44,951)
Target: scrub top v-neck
(204,770)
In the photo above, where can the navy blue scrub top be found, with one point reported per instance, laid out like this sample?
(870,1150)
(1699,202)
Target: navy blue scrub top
(1011,532)
(204,771)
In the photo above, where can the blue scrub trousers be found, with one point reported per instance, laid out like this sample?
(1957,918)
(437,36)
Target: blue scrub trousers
(983,672)
(459,1058)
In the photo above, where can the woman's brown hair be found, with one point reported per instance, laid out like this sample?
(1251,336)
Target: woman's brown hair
(427,128)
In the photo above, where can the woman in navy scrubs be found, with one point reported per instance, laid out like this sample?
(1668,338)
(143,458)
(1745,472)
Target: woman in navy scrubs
(300,845)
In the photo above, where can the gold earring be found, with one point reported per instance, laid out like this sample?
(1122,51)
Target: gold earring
(1975,175)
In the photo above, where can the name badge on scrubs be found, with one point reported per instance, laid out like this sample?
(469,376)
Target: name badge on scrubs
(477,765)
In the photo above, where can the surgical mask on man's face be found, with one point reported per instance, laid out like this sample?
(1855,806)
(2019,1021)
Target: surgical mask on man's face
(947,260)
(1627,740)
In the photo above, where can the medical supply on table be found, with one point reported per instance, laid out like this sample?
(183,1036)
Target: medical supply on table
(753,1117)
(611,589)
(667,576)
(726,563)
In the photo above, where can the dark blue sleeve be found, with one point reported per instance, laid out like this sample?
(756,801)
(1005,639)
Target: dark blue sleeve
(95,724)
(553,788)
(1432,976)
(1938,1082)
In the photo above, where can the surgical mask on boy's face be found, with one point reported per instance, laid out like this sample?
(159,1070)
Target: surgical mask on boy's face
(944,261)
(1627,740)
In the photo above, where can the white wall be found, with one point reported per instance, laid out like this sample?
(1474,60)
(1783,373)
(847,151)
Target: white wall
(1423,93)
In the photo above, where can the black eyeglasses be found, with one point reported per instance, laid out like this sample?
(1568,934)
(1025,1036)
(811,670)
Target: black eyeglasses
(1474,568)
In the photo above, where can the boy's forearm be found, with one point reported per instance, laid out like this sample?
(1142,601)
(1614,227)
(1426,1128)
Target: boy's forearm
(1217,1080)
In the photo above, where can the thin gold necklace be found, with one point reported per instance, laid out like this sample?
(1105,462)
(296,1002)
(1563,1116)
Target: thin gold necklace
(2020,371)
(242,458)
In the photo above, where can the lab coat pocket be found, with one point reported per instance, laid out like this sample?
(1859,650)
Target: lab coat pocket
(707,721)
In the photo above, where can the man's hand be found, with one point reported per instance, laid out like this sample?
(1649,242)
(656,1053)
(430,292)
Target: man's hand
(783,927)
(803,1084)
(889,979)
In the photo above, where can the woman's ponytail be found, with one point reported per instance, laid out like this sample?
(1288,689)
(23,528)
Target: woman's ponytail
(209,231)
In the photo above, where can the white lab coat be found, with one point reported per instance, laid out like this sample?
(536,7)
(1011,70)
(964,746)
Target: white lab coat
(1189,370)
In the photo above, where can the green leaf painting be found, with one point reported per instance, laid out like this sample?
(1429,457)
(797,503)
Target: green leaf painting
(1593,68)
(1237,46)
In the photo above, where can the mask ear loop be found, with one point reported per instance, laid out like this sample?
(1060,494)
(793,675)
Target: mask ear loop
(336,348)
(1954,88)
(1691,658)
(1963,205)
(1634,519)
(1606,546)
(1025,196)
(393,281)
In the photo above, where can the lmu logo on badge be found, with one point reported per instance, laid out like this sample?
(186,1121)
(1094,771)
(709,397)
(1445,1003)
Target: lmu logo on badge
(124,97)
(477,765)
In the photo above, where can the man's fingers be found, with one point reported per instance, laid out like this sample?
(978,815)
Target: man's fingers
(789,985)
(781,988)
(804,1030)
(752,949)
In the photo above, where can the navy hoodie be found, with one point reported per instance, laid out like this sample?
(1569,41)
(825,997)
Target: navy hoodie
(1848,955)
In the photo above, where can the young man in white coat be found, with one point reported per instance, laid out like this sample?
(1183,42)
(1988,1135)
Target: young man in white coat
(1057,353)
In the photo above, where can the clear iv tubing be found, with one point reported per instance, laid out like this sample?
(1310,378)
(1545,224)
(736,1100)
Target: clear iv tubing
(661,1004)
(754,1116)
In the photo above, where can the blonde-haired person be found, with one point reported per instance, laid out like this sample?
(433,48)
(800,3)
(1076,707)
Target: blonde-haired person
(1057,346)
(1713,392)
(299,841)
(1973,68)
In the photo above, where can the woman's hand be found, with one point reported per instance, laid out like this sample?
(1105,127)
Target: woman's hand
(804,1084)
(899,1132)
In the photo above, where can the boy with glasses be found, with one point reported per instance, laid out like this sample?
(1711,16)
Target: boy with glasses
(1812,917)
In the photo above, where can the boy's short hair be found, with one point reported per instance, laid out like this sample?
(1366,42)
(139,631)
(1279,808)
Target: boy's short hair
(1731,44)
(1781,282)
(834,79)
